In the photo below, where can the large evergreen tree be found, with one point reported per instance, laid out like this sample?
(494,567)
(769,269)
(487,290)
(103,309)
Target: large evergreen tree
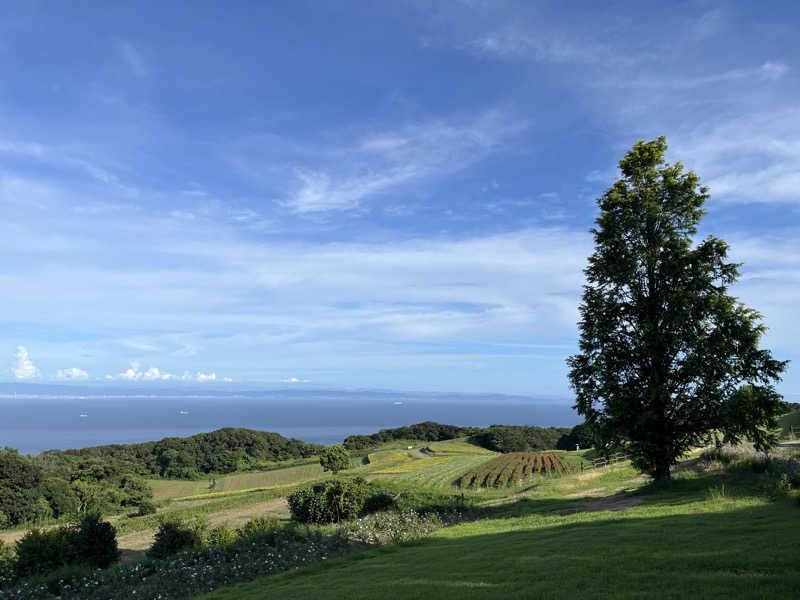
(667,357)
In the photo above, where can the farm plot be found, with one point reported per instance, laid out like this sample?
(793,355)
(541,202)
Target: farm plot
(243,481)
(388,457)
(446,473)
(171,488)
(239,482)
(511,469)
(410,466)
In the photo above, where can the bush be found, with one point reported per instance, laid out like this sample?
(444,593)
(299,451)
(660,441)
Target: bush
(91,542)
(96,541)
(41,550)
(329,502)
(378,502)
(334,458)
(146,507)
(6,564)
(259,527)
(175,535)
(221,536)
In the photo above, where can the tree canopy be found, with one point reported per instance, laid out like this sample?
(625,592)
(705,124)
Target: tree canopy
(667,356)
(334,458)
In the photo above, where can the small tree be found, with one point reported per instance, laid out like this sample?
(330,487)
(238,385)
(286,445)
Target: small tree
(334,458)
(664,349)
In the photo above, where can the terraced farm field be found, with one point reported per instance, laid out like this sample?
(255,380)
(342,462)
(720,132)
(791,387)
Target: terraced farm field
(510,469)
(164,489)
(446,473)
(388,457)
(170,488)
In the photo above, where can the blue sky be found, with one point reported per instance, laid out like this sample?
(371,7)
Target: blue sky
(374,194)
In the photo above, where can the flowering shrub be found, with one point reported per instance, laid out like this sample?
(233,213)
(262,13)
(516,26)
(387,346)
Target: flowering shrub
(402,526)
(784,467)
(185,574)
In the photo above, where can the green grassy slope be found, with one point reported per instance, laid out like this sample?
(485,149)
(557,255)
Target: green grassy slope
(787,420)
(705,535)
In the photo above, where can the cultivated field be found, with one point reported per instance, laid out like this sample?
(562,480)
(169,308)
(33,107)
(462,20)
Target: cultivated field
(512,469)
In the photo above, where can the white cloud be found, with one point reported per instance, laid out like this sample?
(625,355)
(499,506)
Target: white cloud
(154,374)
(24,367)
(295,380)
(131,375)
(73,373)
(751,157)
(381,163)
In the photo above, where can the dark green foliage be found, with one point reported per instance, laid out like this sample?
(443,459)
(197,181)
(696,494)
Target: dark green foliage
(330,502)
(518,438)
(6,564)
(378,502)
(221,535)
(259,528)
(580,435)
(146,507)
(427,431)
(19,487)
(175,535)
(96,541)
(334,458)
(60,496)
(663,347)
(42,550)
(222,451)
(90,542)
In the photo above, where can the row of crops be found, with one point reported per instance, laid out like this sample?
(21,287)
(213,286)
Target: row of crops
(511,469)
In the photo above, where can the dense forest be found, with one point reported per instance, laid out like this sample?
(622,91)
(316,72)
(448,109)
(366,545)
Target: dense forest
(499,438)
(58,483)
(428,431)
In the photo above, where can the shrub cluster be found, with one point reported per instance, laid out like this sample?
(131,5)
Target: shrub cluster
(185,574)
(90,542)
(176,534)
(329,502)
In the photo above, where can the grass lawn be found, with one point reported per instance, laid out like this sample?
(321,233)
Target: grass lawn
(606,534)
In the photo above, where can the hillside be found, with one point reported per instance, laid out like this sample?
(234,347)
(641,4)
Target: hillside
(525,525)
(712,533)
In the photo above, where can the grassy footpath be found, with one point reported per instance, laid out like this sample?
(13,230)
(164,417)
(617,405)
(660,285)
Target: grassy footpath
(599,535)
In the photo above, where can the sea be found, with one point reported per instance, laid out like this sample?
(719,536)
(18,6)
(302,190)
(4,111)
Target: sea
(39,418)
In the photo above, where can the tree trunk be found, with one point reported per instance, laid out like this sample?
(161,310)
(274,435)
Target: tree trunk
(662,472)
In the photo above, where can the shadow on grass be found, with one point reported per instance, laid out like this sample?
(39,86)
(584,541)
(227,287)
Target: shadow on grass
(744,553)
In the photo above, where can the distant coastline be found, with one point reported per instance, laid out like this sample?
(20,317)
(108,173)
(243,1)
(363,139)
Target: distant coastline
(48,420)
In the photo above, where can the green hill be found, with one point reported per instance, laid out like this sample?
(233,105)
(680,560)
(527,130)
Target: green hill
(711,533)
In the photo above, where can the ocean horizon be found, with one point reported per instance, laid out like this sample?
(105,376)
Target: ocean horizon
(63,417)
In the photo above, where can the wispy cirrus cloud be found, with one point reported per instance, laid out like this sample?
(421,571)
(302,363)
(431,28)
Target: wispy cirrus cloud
(383,162)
